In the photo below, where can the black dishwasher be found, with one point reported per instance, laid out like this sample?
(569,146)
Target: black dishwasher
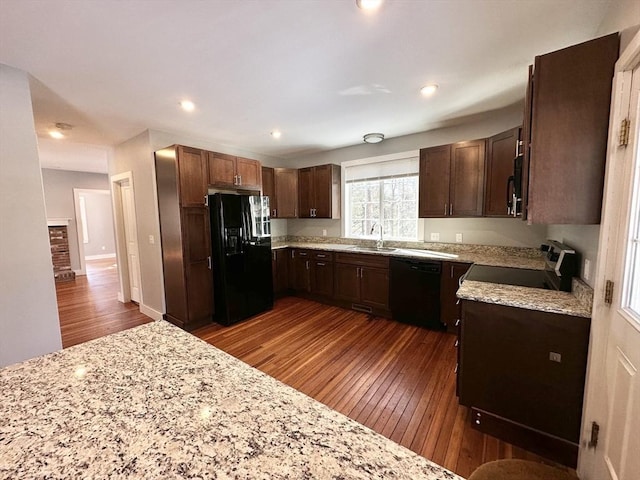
(414,292)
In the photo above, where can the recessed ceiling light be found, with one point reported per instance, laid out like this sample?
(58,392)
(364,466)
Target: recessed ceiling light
(373,137)
(187,105)
(429,90)
(276,134)
(369,5)
(57,134)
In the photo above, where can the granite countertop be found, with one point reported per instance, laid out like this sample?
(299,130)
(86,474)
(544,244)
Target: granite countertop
(156,402)
(576,303)
(480,254)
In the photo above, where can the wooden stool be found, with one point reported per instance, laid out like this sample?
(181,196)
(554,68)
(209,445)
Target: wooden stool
(520,470)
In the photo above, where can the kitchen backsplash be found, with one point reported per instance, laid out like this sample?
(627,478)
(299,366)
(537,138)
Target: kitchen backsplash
(524,252)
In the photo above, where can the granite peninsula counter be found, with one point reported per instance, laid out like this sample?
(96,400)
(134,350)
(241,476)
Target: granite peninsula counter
(156,402)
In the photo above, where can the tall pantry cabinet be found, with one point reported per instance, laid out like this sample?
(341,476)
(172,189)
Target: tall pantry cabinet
(182,181)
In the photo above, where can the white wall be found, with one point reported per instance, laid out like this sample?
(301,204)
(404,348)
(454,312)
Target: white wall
(101,238)
(29,324)
(135,156)
(58,197)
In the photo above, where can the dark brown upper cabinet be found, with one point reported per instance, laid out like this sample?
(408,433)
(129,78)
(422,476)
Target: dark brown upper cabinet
(227,171)
(502,149)
(319,192)
(566,127)
(452,180)
(281,186)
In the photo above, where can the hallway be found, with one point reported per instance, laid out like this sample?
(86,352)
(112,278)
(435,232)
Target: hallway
(89,308)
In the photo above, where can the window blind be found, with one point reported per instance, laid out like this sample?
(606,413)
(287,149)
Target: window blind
(379,170)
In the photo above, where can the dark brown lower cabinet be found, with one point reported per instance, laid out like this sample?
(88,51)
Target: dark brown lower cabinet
(280,270)
(312,273)
(522,372)
(362,282)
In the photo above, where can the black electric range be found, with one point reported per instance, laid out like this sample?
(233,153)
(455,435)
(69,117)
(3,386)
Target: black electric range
(561,265)
(522,277)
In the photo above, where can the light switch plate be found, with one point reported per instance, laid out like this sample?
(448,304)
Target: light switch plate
(152,239)
(458,237)
(587,269)
(555,357)
(435,237)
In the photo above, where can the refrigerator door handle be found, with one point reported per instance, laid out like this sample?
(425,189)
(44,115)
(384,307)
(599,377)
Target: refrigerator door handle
(209,262)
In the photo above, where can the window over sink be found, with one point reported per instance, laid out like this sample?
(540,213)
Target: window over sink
(382,192)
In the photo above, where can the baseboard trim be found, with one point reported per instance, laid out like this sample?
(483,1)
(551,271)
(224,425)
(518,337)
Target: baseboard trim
(150,312)
(100,257)
(120,297)
(80,272)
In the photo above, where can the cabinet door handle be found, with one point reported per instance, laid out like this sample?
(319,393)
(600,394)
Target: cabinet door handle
(273,255)
(307,264)
(239,179)
(456,369)
(209,263)
(451,208)
(206,200)
(451,271)
(445,209)
(456,344)
(293,254)
(321,264)
(320,255)
(274,213)
(235,179)
(457,322)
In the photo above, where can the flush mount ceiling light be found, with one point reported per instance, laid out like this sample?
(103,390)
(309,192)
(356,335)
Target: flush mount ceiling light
(57,132)
(369,5)
(429,90)
(373,137)
(188,105)
(276,134)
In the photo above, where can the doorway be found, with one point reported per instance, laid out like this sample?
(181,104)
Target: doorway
(126,237)
(94,226)
(611,428)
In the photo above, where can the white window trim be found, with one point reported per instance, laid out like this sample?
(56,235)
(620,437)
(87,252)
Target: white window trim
(361,161)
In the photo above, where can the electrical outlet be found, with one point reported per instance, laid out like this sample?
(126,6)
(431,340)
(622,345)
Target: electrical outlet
(555,357)
(435,237)
(152,239)
(458,237)
(324,232)
(587,269)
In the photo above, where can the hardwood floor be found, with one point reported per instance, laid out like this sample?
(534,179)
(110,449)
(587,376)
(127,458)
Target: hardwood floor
(396,379)
(88,306)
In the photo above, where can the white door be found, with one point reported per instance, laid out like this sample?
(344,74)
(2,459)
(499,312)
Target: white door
(613,383)
(131,239)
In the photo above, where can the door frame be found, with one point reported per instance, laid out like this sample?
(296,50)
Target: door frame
(116,182)
(595,407)
(77,192)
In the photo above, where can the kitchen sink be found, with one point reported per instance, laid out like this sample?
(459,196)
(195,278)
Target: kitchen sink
(373,249)
(426,253)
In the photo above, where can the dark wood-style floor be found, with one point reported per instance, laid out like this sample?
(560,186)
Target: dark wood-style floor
(88,307)
(396,379)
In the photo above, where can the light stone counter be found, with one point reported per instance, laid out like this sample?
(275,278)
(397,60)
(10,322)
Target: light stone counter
(525,297)
(480,254)
(155,402)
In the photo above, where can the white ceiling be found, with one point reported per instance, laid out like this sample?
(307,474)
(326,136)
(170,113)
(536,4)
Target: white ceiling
(323,72)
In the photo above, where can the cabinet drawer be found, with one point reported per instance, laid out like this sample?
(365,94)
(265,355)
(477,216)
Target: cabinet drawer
(323,256)
(363,259)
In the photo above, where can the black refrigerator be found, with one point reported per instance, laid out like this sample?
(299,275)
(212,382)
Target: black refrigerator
(241,256)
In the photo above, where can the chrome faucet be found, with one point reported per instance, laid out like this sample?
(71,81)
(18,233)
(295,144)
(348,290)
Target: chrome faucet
(380,241)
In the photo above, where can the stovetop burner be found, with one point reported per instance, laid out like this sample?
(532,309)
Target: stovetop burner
(522,277)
